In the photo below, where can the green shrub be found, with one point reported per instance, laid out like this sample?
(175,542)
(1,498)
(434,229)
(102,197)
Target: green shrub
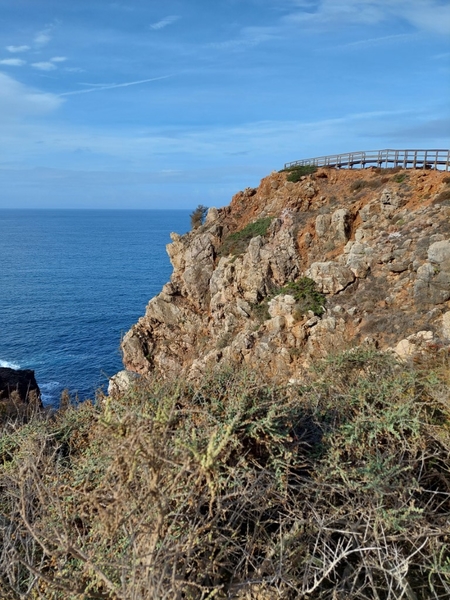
(400,178)
(237,243)
(305,295)
(198,216)
(296,173)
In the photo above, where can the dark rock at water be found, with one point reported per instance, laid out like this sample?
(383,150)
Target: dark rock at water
(19,386)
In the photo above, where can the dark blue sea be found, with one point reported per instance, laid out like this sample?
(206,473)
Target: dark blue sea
(72,282)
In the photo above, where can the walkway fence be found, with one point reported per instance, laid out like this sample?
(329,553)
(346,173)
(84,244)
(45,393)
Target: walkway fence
(406,159)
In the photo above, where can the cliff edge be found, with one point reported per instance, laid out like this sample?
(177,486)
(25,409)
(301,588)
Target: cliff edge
(293,270)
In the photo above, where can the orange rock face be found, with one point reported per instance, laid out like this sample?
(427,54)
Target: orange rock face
(376,242)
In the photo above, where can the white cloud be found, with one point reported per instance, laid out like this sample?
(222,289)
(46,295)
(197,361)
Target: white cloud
(44,66)
(165,22)
(18,100)
(13,62)
(427,15)
(43,37)
(58,59)
(15,49)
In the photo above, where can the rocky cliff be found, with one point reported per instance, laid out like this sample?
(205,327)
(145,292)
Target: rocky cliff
(18,391)
(375,242)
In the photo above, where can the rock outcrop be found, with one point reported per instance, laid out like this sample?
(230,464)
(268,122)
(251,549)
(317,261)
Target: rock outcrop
(376,242)
(19,386)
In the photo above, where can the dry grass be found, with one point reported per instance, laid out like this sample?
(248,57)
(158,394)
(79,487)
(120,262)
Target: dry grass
(337,489)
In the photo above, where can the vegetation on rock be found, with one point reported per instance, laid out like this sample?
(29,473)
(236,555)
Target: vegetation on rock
(297,172)
(198,216)
(306,296)
(237,242)
(337,488)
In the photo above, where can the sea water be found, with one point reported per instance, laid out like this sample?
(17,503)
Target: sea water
(72,282)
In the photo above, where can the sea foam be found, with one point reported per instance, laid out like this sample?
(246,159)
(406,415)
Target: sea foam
(9,365)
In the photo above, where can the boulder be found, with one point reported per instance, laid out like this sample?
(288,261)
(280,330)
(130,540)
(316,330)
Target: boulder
(19,385)
(330,277)
(439,252)
(121,382)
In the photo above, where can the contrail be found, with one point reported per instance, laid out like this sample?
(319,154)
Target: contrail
(113,86)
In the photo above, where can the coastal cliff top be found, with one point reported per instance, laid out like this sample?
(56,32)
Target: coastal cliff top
(304,264)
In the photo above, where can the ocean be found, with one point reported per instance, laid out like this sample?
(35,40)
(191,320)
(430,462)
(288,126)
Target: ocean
(72,282)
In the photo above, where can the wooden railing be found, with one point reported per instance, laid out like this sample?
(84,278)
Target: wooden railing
(406,159)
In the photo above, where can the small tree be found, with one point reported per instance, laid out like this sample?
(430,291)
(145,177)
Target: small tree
(198,216)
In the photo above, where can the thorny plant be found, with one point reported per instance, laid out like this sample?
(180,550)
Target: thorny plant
(335,489)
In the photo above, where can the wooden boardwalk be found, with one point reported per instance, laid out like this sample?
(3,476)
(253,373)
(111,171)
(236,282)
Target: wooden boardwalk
(406,159)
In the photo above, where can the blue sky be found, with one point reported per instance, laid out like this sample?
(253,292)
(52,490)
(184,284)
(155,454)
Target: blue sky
(150,104)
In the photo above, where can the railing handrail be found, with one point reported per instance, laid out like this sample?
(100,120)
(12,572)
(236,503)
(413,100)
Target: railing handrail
(408,159)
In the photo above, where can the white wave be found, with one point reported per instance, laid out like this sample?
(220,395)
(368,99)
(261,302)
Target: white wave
(49,386)
(50,392)
(9,365)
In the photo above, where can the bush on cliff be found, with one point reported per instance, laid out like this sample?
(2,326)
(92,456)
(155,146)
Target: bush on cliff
(336,489)
(306,296)
(236,243)
(197,216)
(295,173)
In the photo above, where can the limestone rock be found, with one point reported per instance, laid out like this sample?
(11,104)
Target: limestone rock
(330,276)
(121,382)
(446,325)
(340,224)
(323,223)
(439,252)
(381,258)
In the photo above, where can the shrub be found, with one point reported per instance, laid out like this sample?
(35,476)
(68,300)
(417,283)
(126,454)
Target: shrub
(334,489)
(296,173)
(305,295)
(443,197)
(400,178)
(237,243)
(198,216)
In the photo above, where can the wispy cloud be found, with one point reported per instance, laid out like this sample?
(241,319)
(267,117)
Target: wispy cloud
(58,59)
(249,37)
(14,49)
(423,15)
(97,87)
(165,22)
(378,40)
(43,37)
(44,66)
(13,62)
(18,100)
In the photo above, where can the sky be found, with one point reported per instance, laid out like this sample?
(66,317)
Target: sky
(144,104)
